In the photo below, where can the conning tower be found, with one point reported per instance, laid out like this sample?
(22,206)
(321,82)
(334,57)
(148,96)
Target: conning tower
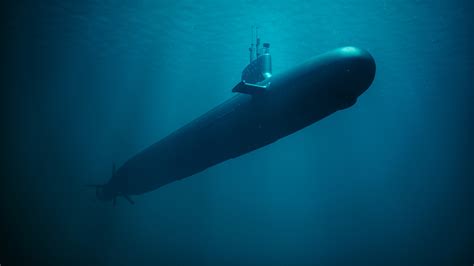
(260,67)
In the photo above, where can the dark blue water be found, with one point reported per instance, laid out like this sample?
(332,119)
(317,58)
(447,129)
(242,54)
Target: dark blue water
(89,83)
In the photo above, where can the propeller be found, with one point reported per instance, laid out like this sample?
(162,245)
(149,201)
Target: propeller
(115,195)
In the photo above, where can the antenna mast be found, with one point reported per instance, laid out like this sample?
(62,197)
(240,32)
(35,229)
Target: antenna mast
(251,48)
(257,45)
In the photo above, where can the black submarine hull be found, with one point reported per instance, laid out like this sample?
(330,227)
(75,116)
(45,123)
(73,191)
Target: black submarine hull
(292,100)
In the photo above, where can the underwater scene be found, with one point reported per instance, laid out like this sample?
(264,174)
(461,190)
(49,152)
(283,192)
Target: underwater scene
(237,132)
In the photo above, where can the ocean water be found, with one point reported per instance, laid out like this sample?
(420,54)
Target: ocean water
(388,181)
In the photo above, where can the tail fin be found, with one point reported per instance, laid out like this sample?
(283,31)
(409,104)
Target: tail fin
(100,196)
(127,198)
(114,202)
(108,195)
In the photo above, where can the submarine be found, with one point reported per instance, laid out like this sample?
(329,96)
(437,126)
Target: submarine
(266,108)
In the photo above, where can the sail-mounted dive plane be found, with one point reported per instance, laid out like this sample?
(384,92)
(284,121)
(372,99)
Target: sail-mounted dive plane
(266,107)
